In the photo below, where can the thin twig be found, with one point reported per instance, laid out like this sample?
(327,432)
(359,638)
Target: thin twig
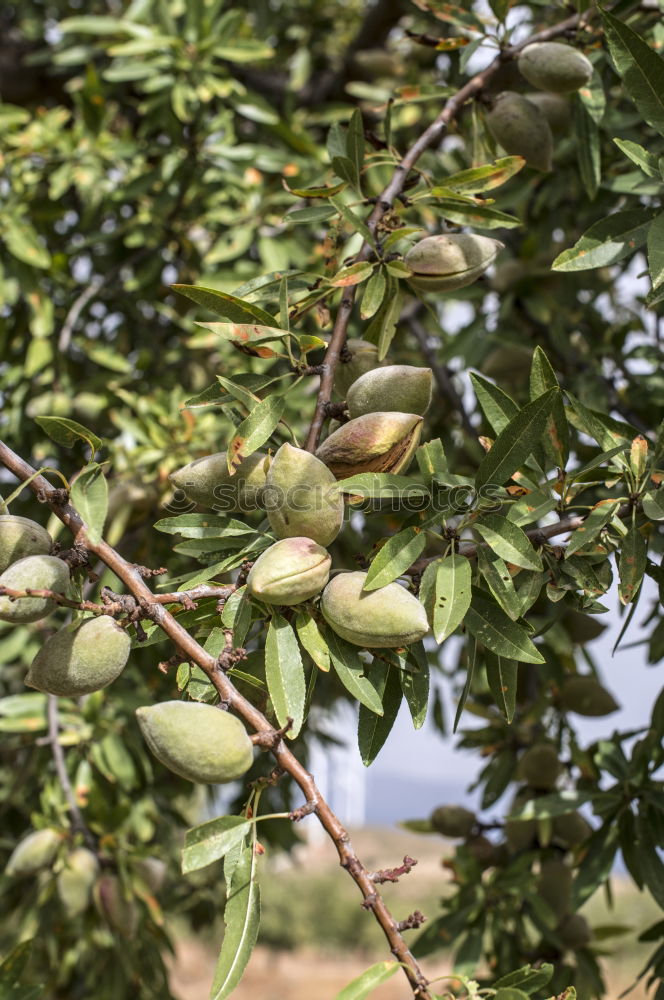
(78,823)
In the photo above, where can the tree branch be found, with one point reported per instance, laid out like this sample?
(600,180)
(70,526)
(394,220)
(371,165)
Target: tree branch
(78,823)
(193,651)
(394,188)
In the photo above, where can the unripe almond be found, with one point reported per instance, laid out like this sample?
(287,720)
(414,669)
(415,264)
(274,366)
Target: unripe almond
(376,442)
(555,108)
(574,931)
(114,906)
(301,497)
(197,741)
(36,573)
(75,882)
(208,482)
(521,129)
(586,696)
(555,886)
(539,767)
(453,821)
(153,872)
(80,658)
(571,829)
(378,619)
(34,852)
(363,357)
(289,572)
(403,388)
(21,537)
(554,66)
(450,260)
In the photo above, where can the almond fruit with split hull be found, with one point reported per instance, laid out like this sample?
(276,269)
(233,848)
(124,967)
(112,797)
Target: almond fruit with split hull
(199,742)
(554,66)
(301,497)
(363,357)
(401,388)
(80,658)
(21,537)
(34,852)
(521,129)
(32,573)
(208,482)
(378,619)
(289,572)
(448,261)
(377,442)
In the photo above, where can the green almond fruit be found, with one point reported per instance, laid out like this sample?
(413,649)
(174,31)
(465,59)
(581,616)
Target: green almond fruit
(574,931)
(585,696)
(555,108)
(521,129)
(36,573)
(301,497)
(74,883)
(80,658)
(554,66)
(153,872)
(199,742)
(539,767)
(21,537)
(289,572)
(453,821)
(450,260)
(486,853)
(113,905)
(403,388)
(378,619)
(554,885)
(571,829)
(376,442)
(360,356)
(208,482)
(520,834)
(34,852)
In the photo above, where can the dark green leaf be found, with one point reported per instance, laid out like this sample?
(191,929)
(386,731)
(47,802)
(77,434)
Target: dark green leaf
(451,595)
(597,519)
(515,442)
(640,67)
(508,541)
(487,177)
(89,495)
(225,305)
(501,675)
(656,251)
(498,407)
(351,671)
(284,674)
(491,626)
(632,564)
(374,729)
(587,147)
(496,576)
(607,241)
(415,685)
(255,430)
(68,432)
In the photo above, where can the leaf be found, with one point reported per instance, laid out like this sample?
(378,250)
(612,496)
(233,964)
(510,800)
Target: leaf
(382,485)
(355,274)
(640,67)
(246,333)
(452,595)
(587,147)
(515,442)
(351,672)
(480,216)
(431,458)
(415,685)
(225,305)
(653,505)
(373,294)
(355,143)
(255,430)
(632,564)
(496,576)
(210,841)
(383,326)
(543,377)
(648,162)
(14,963)
(487,177)
(394,557)
(311,639)
(315,213)
(550,806)
(242,918)
(368,981)
(471,656)
(608,433)
(491,626)
(656,251)
(501,675)
(508,541)
(607,241)
(374,729)
(498,407)
(89,495)
(598,518)
(23,242)
(528,978)
(284,674)
(67,432)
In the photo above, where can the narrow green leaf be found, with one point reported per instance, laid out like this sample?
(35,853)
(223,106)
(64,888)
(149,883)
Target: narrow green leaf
(205,844)
(491,626)
(501,675)
(527,978)
(415,684)
(355,142)
(479,216)
(508,541)
(255,430)
(656,251)
(648,162)
(14,963)
(67,432)
(373,294)
(607,241)
(587,532)
(487,177)
(653,505)
(515,442)
(452,595)
(431,458)
(542,378)
(242,919)
(640,67)
(225,305)
(383,326)
(471,656)
(587,147)
(89,495)
(374,729)
(311,639)
(284,674)
(23,242)
(496,576)
(608,433)
(315,213)
(632,564)
(245,333)
(555,804)
(498,407)
(394,557)
(351,671)
(382,485)
(368,981)
(354,274)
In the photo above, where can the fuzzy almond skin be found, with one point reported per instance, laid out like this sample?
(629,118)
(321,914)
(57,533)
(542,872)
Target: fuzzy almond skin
(574,931)
(34,852)
(555,886)
(556,109)
(554,66)
(364,358)
(301,497)
(21,537)
(289,572)
(80,658)
(571,829)
(208,482)
(383,441)
(378,619)
(199,742)
(114,906)
(450,260)
(38,573)
(74,883)
(539,767)
(521,129)
(403,388)
(453,821)
(586,696)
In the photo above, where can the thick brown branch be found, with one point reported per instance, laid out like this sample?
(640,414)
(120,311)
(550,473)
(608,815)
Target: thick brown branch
(394,188)
(145,599)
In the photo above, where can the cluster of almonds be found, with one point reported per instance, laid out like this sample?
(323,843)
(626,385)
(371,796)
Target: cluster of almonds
(305,509)
(525,125)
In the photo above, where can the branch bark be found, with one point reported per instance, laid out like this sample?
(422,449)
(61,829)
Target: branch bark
(78,823)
